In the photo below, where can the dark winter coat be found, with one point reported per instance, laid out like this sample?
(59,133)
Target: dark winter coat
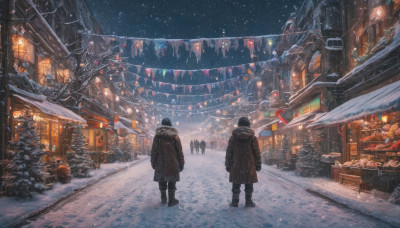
(196,144)
(203,145)
(242,156)
(166,155)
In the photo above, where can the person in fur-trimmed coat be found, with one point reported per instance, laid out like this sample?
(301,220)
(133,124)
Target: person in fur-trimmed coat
(242,160)
(167,160)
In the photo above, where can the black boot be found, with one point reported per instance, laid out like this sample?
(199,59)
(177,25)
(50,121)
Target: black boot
(163,196)
(235,200)
(235,195)
(249,202)
(163,190)
(171,194)
(248,195)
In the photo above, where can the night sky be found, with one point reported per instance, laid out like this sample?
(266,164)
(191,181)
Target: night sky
(188,19)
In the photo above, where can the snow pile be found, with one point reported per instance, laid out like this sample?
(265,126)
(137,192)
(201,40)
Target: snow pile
(395,197)
(22,208)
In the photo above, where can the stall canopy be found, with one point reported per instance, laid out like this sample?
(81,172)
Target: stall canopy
(300,120)
(380,100)
(120,126)
(53,109)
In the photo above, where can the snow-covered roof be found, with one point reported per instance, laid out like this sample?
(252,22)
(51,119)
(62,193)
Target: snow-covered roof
(118,126)
(36,97)
(300,120)
(53,109)
(378,101)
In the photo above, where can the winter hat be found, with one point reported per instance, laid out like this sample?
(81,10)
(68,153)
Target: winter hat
(244,122)
(166,122)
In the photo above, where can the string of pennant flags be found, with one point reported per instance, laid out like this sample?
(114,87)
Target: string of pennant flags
(213,74)
(221,45)
(187,89)
(199,106)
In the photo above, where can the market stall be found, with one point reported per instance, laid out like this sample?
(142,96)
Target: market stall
(371,138)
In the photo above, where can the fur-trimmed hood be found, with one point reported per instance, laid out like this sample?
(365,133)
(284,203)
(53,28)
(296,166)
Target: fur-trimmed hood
(166,131)
(243,132)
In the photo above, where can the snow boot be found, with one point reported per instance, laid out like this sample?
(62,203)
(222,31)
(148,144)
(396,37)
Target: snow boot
(235,195)
(249,202)
(171,195)
(163,196)
(235,200)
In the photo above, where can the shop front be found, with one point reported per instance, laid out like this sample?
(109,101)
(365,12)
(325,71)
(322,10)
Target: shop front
(369,126)
(101,139)
(53,123)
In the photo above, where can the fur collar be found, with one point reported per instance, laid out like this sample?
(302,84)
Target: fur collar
(166,131)
(243,133)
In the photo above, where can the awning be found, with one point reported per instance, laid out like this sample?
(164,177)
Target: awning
(378,101)
(53,109)
(120,126)
(304,119)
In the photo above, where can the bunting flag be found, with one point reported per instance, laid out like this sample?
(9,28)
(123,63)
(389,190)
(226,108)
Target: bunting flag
(136,48)
(197,48)
(159,47)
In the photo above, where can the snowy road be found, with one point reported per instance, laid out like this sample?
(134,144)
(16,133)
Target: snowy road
(131,199)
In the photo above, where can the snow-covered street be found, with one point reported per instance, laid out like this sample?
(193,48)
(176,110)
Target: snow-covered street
(131,199)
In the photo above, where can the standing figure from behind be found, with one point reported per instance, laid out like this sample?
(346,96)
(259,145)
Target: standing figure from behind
(242,160)
(196,145)
(167,160)
(191,147)
(203,147)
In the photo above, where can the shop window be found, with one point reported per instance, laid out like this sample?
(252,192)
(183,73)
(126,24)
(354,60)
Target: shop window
(63,75)
(97,140)
(23,50)
(43,127)
(54,145)
(46,73)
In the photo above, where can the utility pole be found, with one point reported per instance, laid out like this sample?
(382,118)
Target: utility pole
(4,93)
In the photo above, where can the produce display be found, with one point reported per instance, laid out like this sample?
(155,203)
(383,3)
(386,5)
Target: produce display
(364,163)
(385,139)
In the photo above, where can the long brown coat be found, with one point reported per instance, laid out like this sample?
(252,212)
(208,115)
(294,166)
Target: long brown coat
(166,155)
(242,156)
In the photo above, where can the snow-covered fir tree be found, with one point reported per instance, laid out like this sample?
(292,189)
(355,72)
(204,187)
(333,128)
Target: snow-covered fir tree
(128,149)
(283,153)
(25,170)
(78,156)
(308,158)
(395,197)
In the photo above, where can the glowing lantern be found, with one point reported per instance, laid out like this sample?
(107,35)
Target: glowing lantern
(384,119)
(97,80)
(117,98)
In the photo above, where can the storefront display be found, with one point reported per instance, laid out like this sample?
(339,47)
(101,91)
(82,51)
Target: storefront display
(373,146)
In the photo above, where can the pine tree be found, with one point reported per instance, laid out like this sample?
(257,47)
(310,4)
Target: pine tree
(284,152)
(308,158)
(25,171)
(78,157)
(127,148)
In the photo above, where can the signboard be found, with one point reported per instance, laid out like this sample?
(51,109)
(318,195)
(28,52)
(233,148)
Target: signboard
(265,133)
(353,149)
(312,106)
(274,127)
(267,114)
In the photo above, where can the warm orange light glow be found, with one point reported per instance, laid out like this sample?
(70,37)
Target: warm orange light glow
(384,119)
